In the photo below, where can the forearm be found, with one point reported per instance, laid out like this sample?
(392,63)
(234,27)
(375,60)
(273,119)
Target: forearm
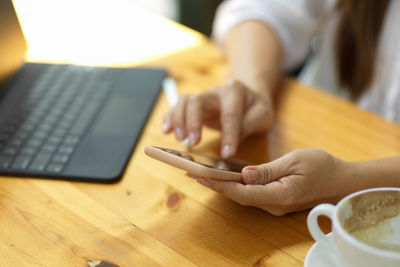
(254,56)
(375,173)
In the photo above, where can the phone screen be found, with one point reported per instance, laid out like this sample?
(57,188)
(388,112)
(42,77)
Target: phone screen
(208,161)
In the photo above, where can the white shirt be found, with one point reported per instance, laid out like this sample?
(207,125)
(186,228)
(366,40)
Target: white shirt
(297,22)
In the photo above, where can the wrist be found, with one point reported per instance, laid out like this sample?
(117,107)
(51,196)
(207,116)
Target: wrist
(348,179)
(259,87)
(369,174)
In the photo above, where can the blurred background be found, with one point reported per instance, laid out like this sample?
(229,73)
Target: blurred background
(196,14)
(104,32)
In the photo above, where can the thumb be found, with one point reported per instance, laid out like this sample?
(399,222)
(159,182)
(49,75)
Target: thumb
(268,172)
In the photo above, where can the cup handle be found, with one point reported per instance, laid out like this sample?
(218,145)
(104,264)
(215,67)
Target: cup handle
(312,222)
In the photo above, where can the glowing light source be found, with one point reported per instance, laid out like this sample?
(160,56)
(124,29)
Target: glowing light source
(97,32)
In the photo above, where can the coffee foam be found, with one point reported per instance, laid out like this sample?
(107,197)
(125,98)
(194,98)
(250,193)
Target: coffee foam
(374,218)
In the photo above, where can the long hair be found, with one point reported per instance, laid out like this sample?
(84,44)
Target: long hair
(356,42)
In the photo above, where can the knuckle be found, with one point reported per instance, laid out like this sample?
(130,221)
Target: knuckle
(177,119)
(266,174)
(293,159)
(194,98)
(232,88)
(230,115)
(192,122)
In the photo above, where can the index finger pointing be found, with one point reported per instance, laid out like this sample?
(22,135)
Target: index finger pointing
(232,107)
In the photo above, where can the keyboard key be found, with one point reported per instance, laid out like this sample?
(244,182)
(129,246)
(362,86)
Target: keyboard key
(34,143)
(15,142)
(59,158)
(32,120)
(28,151)
(49,148)
(66,149)
(58,111)
(71,140)
(27,127)
(85,118)
(5,162)
(21,135)
(54,167)
(59,132)
(65,124)
(10,151)
(44,127)
(54,140)
(69,116)
(40,162)
(39,135)
(21,162)
(51,119)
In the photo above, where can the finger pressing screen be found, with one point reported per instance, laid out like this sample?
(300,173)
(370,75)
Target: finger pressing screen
(232,108)
(194,118)
(178,117)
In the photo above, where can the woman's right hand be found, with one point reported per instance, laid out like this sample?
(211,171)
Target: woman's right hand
(233,108)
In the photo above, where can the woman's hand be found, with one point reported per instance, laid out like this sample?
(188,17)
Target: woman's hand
(296,181)
(234,109)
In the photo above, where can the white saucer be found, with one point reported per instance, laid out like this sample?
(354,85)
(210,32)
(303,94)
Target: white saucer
(318,255)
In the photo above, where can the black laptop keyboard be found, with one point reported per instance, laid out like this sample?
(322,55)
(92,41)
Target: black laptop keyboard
(42,132)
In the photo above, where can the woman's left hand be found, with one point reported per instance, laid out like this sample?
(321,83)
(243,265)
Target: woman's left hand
(296,181)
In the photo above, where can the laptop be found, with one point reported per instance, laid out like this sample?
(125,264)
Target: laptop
(66,121)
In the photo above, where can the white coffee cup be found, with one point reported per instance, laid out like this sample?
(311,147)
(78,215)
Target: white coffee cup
(350,250)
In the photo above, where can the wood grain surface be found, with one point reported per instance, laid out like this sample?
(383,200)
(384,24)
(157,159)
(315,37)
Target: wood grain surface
(156,216)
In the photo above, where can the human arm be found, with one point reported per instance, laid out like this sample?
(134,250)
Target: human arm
(241,107)
(261,39)
(304,178)
(254,55)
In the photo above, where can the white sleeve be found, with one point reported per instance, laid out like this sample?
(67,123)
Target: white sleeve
(294,21)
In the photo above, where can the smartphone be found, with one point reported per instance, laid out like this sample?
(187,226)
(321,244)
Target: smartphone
(199,165)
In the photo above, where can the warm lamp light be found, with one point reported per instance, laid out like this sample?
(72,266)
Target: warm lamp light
(97,32)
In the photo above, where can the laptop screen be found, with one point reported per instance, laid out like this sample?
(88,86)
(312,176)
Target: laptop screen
(12,41)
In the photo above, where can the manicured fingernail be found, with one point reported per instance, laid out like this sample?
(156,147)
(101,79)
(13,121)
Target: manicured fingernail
(192,138)
(165,127)
(203,182)
(179,133)
(252,176)
(226,151)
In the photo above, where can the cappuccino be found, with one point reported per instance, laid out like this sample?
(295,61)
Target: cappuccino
(374,218)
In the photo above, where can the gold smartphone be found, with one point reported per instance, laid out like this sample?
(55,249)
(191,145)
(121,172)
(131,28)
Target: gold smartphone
(199,165)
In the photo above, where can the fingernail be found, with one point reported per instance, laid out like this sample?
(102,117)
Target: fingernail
(226,151)
(165,127)
(230,82)
(192,138)
(203,182)
(179,133)
(252,176)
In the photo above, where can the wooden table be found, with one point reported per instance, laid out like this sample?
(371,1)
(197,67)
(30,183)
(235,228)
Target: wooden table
(157,216)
